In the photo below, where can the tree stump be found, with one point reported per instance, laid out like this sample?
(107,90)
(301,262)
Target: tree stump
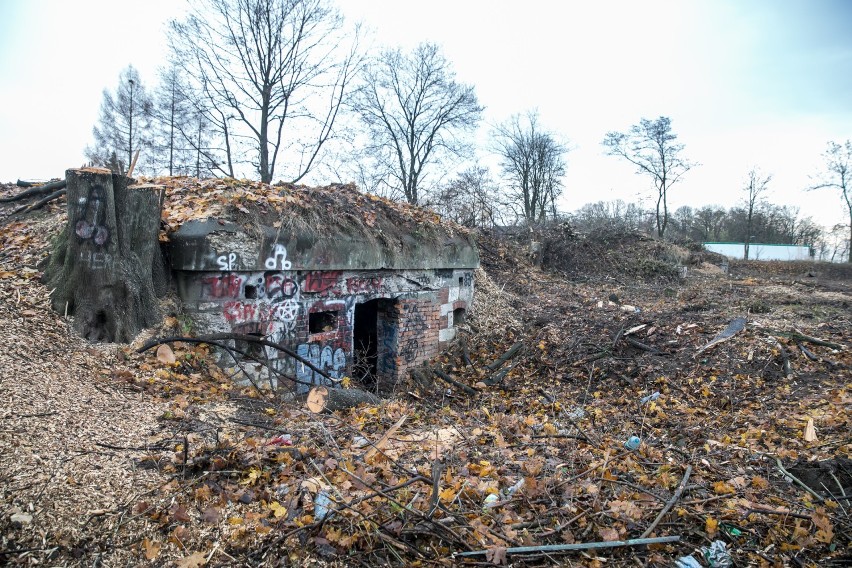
(103,266)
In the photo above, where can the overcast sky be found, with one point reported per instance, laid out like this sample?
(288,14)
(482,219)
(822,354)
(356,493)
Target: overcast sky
(746,83)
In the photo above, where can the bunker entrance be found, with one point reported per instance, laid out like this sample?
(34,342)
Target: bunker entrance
(374,342)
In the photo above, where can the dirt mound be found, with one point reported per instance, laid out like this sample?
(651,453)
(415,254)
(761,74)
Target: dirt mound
(604,253)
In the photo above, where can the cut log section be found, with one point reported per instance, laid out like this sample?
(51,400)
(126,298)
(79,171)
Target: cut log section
(323,399)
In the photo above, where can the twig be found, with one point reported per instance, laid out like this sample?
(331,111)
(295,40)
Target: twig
(798,481)
(578,546)
(437,469)
(670,502)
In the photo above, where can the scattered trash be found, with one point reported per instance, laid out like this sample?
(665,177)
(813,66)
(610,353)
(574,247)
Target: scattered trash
(490,501)
(630,309)
(516,487)
(632,443)
(687,562)
(282,440)
(360,442)
(731,529)
(717,555)
(322,502)
(576,413)
(653,396)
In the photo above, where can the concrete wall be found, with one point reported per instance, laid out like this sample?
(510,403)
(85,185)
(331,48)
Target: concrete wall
(314,313)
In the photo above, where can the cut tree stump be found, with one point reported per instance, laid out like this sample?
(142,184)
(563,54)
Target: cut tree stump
(324,399)
(104,266)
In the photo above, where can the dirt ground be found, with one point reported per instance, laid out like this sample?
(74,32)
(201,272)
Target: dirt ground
(113,458)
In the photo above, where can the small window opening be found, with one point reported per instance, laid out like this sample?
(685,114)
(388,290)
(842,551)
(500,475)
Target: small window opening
(251,292)
(461,281)
(458,316)
(319,322)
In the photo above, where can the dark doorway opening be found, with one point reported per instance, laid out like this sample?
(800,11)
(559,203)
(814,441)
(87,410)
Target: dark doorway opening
(365,335)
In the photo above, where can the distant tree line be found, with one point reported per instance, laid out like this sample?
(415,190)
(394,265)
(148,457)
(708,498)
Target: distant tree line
(283,90)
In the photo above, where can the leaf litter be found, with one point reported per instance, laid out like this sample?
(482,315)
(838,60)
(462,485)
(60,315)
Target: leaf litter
(112,457)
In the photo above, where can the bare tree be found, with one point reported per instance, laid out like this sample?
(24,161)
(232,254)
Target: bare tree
(272,67)
(124,123)
(416,115)
(755,186)
(533,164)
(469,199)
(838,176)
(650,146)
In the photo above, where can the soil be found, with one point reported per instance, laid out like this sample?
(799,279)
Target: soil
(111,457)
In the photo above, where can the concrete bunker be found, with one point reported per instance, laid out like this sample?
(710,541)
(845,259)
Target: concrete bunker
(368,302)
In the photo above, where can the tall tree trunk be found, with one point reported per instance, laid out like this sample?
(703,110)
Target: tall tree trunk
(104,265)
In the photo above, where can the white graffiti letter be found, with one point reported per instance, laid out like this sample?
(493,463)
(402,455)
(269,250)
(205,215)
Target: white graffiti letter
(227,261)
(272,262)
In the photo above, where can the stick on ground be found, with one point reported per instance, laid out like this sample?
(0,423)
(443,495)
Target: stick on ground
(670,503)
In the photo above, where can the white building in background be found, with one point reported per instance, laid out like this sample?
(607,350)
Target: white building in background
(760,251)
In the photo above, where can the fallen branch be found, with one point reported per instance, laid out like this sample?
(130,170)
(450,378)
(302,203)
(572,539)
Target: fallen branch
(448,379)
(670,502)
(639,345)
(38,204)
(578,546)
(216,338)
(33,191)
(807,352)
(799,336)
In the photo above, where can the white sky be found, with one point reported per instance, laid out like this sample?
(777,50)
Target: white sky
(758,82)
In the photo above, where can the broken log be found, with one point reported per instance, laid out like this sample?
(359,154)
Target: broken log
(498,377)
(512,351)
(788,369)
(103,266)
(448,379)
(322,399)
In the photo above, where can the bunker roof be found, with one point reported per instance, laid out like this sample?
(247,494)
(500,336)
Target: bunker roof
(227,224)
